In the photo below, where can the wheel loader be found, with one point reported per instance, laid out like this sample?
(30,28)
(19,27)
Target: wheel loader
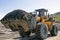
(37,22)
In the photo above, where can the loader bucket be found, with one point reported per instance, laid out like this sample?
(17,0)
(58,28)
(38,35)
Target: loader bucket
(16,18)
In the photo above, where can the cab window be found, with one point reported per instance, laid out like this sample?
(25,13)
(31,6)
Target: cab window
(38,13)
(45,14)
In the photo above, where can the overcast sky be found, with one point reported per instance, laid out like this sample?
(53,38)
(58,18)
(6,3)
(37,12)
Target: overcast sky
(28,5)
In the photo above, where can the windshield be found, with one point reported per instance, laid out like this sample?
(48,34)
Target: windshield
(38,13)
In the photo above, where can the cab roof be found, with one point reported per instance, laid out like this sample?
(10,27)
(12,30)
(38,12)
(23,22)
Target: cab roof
(41,10)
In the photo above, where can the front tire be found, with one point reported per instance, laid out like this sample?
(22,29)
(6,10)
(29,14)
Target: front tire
(23,33)
(41,31)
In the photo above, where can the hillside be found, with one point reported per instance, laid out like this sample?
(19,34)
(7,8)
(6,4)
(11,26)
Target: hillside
(56,15)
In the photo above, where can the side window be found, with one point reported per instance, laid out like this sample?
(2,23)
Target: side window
(45,14)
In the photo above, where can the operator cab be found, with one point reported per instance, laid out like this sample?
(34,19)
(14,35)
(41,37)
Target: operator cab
(41,12)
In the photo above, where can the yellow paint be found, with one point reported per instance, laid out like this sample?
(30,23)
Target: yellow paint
(48,23)
(38,18)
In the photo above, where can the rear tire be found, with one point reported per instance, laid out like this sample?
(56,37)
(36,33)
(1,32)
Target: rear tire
(41,31)
(54,31)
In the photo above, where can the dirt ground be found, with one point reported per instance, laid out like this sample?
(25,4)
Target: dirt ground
(7,34)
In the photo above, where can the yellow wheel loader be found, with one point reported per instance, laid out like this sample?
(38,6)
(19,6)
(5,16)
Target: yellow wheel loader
(37,22)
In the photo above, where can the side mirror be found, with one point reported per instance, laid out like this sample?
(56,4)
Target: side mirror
(48,14)
(34,15)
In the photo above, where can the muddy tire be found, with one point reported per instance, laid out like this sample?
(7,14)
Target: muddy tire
(28,33)
(42,31)
(23,33)
(54,31)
